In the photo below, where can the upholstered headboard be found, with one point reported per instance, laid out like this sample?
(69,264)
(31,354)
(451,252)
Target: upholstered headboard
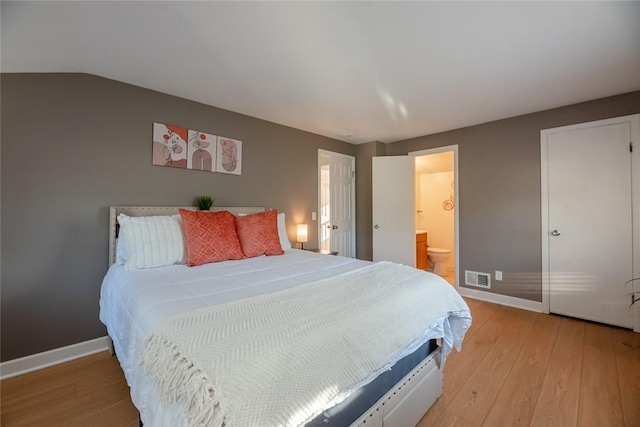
(114,211)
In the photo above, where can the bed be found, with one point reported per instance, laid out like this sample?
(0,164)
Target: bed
(140,307)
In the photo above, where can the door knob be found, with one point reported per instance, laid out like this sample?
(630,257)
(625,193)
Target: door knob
(376,226)
(555,233)
(332,227)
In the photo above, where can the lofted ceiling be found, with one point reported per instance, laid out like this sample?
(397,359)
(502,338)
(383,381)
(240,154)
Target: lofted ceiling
(354,71)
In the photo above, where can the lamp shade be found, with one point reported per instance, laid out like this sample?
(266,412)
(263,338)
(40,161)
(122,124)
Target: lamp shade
(302,233)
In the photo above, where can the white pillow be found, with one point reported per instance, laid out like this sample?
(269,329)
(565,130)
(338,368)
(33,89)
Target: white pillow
(152,241)
(121,249)
(282,232)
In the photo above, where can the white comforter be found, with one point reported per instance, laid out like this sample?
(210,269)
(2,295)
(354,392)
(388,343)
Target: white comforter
(134,303)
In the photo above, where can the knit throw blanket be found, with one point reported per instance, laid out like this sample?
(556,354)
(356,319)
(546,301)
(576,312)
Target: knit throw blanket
(283,358)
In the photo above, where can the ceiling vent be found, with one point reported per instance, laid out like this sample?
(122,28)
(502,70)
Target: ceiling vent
(475,278)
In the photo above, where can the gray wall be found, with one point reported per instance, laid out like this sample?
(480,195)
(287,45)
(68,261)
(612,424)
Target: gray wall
(364,224)
(499,189)
(74,144)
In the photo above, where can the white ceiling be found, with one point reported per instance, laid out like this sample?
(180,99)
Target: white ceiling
(434,163)
(354,71)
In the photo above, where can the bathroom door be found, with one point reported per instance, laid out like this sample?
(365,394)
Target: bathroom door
(589,222)
(394,234)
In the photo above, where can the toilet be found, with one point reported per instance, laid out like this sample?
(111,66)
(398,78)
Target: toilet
(438,256)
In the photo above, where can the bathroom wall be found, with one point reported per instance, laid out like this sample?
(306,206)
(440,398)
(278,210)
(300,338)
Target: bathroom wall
(435,189)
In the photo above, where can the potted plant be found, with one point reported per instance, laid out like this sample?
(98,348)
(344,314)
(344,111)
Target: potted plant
(205,202)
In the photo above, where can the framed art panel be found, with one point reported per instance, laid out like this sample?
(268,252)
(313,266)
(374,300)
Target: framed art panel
(229,156)
(201,151)
(169,145)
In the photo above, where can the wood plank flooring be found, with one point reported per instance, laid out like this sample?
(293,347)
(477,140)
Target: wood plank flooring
(520,368)
(85,392)
(516,368)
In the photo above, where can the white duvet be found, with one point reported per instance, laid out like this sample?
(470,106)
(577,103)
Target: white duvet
(134,303)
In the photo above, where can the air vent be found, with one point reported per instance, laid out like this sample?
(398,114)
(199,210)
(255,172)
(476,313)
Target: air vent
(474,278)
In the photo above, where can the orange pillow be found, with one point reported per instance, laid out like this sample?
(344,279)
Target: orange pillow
(258,234)
(210,236)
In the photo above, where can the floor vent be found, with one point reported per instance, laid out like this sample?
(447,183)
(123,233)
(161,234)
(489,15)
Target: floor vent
(480,280)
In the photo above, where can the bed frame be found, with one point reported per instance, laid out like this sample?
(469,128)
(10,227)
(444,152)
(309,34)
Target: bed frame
(402,406)
(407,402)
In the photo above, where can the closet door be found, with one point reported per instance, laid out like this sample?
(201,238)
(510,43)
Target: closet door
(590,246)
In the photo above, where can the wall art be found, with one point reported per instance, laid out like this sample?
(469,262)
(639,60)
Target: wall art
(169,145)
(201,151)
(229,156)
(179,147)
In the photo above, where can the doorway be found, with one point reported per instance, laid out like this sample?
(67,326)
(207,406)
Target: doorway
(336,199)
(436,211)
(395,221)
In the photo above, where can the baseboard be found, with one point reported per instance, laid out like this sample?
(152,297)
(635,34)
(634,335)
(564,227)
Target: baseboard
(22,365)
(524,304)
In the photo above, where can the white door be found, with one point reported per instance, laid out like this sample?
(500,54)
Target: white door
(394,234)
(590,223)
(337,203)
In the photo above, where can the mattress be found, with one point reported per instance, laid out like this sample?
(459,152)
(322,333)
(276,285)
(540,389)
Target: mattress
(133,303)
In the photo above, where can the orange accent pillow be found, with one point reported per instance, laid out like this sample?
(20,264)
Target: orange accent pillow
(210,236)
(258,234)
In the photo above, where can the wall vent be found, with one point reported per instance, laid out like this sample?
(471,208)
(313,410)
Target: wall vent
(475,278)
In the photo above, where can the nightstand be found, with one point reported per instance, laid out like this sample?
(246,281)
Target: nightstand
(323,251)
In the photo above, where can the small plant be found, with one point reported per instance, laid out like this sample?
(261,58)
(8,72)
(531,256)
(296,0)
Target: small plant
(635,295)
(205,202)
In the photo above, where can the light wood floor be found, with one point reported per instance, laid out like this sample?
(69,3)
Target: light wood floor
(519,368)
(516,368)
